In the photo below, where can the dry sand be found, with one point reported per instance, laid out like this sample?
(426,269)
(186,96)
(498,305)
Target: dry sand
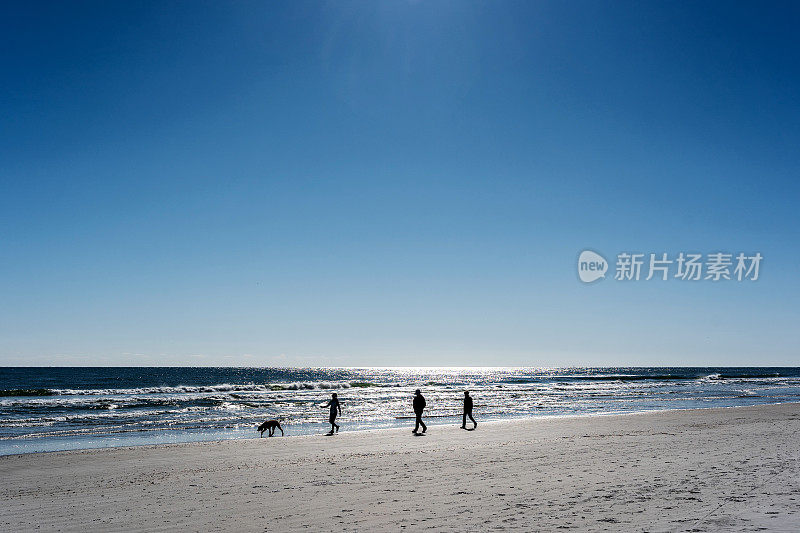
(702,470)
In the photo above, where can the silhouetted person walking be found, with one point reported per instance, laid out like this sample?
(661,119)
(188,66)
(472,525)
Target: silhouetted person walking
(336,408)
(419,406)
(468,411)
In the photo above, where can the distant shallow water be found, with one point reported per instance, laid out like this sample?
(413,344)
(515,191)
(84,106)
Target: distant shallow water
(48,409)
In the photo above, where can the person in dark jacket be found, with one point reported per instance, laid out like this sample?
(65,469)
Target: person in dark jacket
(467,411)
(336,409)
(419,406)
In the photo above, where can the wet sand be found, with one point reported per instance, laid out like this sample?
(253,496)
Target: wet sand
(734,469)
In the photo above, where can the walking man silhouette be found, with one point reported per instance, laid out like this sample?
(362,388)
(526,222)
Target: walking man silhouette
(336,408)
(467,411)
(419,406)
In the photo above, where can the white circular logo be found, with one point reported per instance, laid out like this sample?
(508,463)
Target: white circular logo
(591,266)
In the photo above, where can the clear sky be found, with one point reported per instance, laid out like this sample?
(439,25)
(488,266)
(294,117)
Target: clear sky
(394,183)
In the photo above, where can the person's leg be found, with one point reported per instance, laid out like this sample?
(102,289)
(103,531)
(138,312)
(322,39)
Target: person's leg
(473,421)
(416,426)
(424,427)
(464,421)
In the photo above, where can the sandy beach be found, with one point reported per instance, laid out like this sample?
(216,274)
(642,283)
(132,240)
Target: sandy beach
(730,469)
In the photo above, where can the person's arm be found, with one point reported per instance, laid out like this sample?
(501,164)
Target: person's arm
(339,407)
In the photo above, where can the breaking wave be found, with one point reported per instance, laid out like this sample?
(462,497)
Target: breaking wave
(69,407)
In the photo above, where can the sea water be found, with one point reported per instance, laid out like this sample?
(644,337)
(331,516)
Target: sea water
(48,409)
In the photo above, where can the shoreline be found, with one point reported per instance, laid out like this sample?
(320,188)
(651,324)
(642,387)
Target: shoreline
(711,469)
(410,419)
(150,405)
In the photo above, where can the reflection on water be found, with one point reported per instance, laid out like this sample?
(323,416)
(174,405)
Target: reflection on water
(44,409)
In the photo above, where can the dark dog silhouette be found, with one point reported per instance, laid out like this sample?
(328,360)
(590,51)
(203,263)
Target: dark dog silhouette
(270,425)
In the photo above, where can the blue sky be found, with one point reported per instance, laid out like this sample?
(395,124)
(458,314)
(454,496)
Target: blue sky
(394,183)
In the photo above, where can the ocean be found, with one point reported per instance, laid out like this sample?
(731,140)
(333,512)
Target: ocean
(48,409)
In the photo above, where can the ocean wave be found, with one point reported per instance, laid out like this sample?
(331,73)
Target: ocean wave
(185,389)
(117,402)
(229,388)
(71,409)
(644,377)
(26,392)
(310,385)
(179,389)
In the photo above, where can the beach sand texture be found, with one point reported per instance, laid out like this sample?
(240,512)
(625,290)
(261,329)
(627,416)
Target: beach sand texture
(731,469)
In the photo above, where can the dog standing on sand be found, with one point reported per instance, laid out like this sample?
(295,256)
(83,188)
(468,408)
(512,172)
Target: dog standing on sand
(270,425)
